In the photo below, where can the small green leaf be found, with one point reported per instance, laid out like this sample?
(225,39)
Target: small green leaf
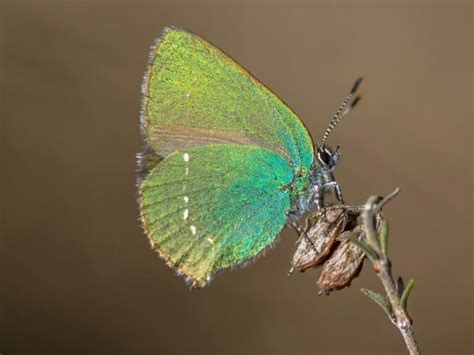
(400,286)
(384,238)
(379,299)
(368,250)
(369,217)
(406,294)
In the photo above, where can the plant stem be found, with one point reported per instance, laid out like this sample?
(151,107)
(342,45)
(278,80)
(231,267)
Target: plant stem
(399,317)
(383,268)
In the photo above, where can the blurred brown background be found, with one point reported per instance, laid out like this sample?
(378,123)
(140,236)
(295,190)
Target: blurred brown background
(78,276)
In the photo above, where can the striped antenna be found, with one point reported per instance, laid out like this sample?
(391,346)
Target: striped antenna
(342,111)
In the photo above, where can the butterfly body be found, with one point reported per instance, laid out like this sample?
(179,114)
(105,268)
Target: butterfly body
(226,163)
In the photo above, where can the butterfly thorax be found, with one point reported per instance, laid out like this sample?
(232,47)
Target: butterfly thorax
(322,176)
(322,181)
(309,191)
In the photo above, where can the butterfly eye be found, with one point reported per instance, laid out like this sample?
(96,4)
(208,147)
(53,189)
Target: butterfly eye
(324,156)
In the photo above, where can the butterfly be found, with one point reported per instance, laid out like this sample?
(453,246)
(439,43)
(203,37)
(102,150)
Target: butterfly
(226,163)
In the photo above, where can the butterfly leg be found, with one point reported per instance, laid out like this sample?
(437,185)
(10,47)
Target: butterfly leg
(334,186)
(298,228)
(338,193)
(294,217)
(293,220)
(301,233)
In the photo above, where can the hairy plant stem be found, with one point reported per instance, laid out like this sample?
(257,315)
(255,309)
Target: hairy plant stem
(383,268)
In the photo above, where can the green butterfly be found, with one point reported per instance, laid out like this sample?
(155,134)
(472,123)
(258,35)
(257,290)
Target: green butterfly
(226,163)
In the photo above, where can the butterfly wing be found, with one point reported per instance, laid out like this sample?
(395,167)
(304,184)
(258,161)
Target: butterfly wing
(233,155)
(211,207)
(196,95)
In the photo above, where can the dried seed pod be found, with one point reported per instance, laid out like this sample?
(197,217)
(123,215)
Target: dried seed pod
(320,233)
(344,264)
(346,261)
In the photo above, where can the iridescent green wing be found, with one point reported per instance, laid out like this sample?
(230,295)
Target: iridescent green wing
(195,95)
(212,207)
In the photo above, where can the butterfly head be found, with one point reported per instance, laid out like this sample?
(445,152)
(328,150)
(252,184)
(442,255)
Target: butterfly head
(322,177)
(328,158)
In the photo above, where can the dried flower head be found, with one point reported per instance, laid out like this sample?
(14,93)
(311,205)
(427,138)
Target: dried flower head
(320,234)
(344,264)
(327,240)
